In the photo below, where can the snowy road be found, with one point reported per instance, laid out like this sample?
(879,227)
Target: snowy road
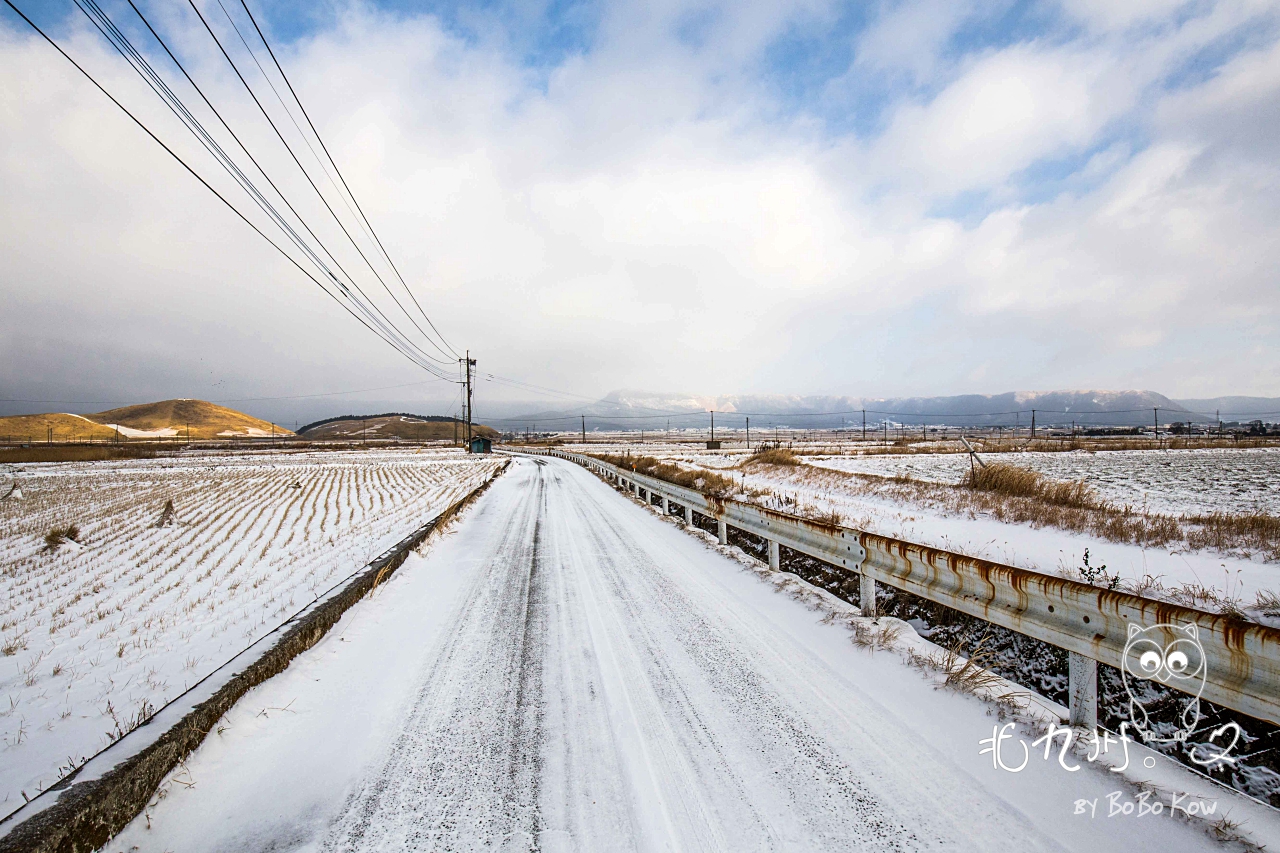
(564,671)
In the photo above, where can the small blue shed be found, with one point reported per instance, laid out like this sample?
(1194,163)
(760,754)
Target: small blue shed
(480,444)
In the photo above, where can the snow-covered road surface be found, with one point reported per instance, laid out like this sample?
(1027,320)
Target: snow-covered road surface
(564,671)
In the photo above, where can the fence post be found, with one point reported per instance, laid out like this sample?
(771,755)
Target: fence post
(1082,674)
(722,531)
(867,594)
(775,555)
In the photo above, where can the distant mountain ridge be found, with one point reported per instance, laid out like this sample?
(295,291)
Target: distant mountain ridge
(624,409)
(1235,408)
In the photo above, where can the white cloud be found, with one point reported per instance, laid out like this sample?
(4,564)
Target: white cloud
(642,221)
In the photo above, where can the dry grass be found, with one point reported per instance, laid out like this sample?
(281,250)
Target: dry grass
(1268,602)
(705,481)
(57,535)
(1005,479)
(873,637)
(1220,531)
(773,456)
(970,674)
(75,453)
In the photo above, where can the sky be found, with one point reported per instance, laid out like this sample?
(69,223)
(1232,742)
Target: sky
(872,199)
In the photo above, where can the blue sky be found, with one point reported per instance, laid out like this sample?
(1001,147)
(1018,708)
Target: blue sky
(1020,195)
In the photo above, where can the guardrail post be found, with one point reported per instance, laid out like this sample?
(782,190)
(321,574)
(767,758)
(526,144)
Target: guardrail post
(666,506)
(1082,674)
(775,555)
(867,594)
(722,531)
(688,515)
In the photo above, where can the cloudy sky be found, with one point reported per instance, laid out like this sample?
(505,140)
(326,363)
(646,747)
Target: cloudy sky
(875,199)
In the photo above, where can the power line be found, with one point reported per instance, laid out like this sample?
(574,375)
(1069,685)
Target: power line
(222,49)
(174,100)
(338,172)
(193,172)
(388,338)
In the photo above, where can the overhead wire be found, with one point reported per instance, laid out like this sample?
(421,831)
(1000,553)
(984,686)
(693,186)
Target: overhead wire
(194,173)
(142,66)
(120,42)
(311,182)
(341,178)
(298,162)
(138,63)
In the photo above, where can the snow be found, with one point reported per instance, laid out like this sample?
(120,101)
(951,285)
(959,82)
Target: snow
(1178,482)
(565,671)
(132,614)
(1192,481)
(130,432)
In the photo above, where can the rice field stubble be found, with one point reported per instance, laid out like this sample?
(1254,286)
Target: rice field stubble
(175,566)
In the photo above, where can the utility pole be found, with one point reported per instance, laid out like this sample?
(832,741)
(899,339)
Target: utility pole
(748,433)
(713,424)
(584,429)
(467,363)
(1156,414)
(1033,424)
(864,424)
(471,362)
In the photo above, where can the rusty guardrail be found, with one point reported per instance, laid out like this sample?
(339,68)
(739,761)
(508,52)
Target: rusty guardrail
(1242,658)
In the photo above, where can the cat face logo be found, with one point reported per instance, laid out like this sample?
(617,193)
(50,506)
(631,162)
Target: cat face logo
(1172,655)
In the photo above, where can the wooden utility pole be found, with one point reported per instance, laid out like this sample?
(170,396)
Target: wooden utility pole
(1033,424)
(469,363)
(748,433)
(864,424)
(713,424)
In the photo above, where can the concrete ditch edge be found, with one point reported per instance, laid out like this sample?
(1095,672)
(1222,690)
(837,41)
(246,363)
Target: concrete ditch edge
(88,814)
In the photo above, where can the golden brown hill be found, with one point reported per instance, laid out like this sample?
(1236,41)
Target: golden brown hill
(205,420)
(391,426)
(22,429)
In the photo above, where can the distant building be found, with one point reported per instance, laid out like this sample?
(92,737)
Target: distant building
(480,444)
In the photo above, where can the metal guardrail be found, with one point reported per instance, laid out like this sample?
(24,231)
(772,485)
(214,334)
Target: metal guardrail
(1242,658)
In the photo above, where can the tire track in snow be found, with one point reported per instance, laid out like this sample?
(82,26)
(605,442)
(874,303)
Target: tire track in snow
(463,772)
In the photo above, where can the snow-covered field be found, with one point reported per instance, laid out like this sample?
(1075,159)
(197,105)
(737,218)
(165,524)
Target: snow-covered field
(1190,482)
(566,671)
(96,634)
(1178,482)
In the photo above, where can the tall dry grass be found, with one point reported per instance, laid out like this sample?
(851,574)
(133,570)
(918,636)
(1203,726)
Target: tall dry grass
(1005,479)
(773,456)
(701,479)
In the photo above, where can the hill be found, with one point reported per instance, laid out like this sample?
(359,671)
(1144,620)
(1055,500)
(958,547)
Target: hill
(166,419)
(390,425)
(36,428)
(173,418)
